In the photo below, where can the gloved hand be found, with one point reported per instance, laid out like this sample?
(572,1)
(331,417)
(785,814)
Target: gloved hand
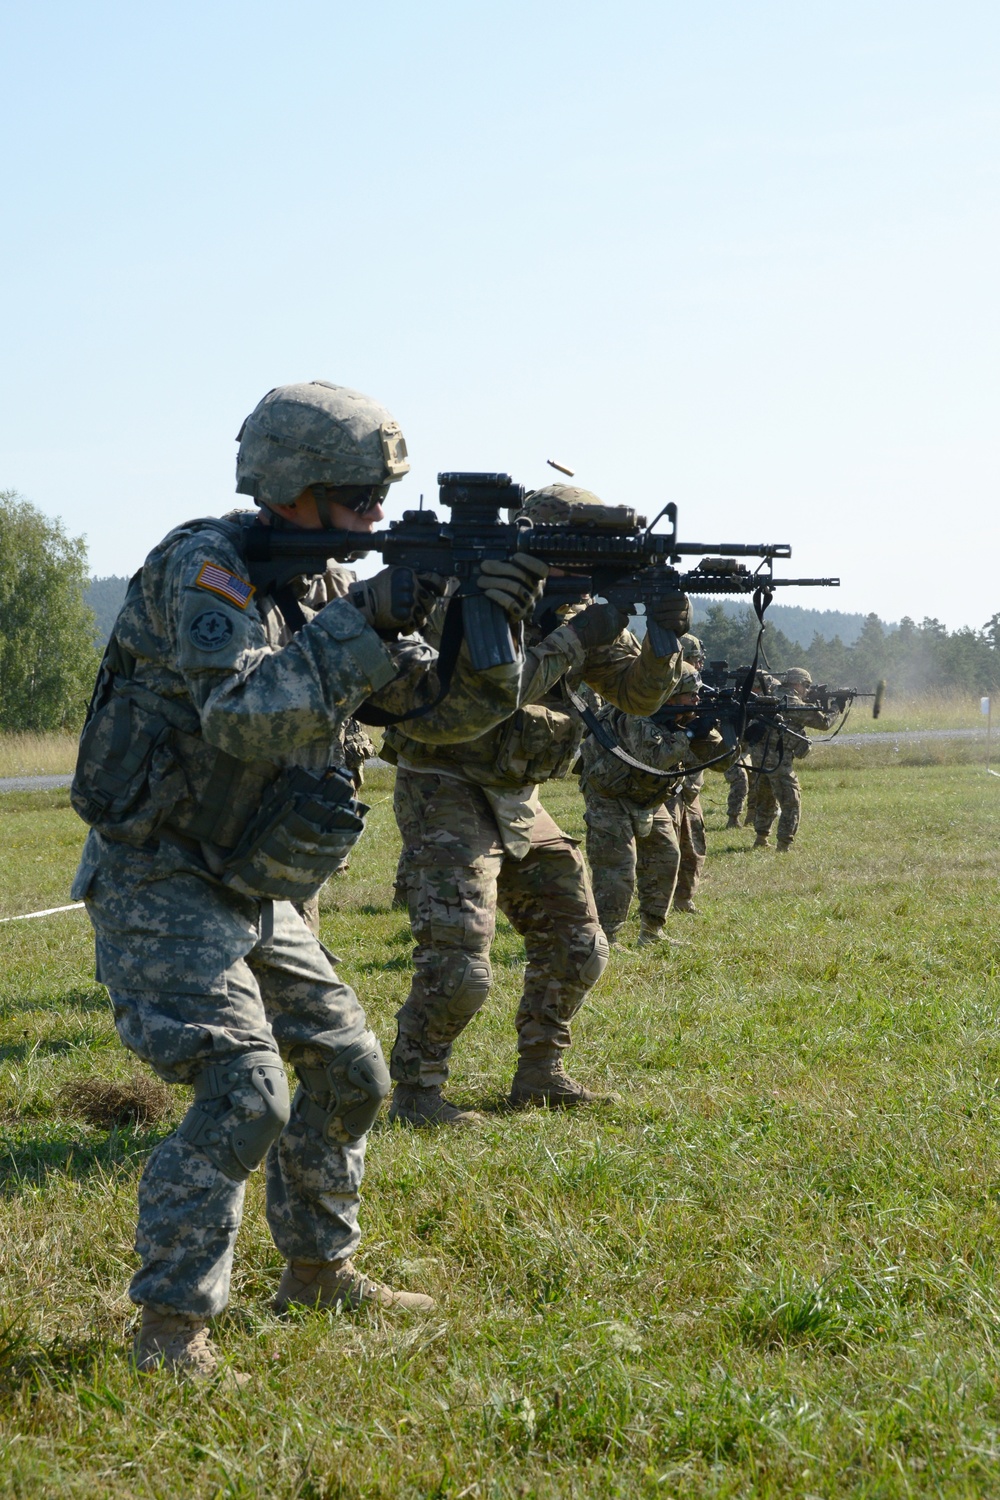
(516,584)
(598,625)
(395,600)
(673,612)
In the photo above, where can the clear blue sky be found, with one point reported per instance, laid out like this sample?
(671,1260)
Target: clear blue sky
(742,256)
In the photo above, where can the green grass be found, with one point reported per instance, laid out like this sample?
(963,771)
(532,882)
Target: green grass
(766,1266)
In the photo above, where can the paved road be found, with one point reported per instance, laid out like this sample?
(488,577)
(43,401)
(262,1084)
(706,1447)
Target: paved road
(32,783)
(902,737)
(909,736)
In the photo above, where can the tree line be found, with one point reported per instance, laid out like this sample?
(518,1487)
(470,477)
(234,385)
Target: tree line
(913,658)
(49,634)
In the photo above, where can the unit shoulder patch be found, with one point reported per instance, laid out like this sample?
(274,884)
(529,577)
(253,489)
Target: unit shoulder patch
(228,585)
(211,630)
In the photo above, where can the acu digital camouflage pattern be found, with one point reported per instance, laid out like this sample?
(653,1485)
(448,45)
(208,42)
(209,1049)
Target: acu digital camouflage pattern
(475,837)
(199,974)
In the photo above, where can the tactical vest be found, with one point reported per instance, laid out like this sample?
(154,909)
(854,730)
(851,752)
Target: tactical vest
(145,773)
(605,774)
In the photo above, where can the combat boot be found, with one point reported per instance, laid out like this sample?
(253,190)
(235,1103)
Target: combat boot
(761,841)
(650,935)
(339,1284)
(413,1105)
(686,904)
(179,1343)
(544,1081)
(784,845)
(732,822)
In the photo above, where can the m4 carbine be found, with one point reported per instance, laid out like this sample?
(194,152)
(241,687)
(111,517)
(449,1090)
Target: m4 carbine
(609,550)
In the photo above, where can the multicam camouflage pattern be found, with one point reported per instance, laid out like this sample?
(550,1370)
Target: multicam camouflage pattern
(474,834)
(316,433)
(458,875)
(197,973)
(630,850)
(689,821)
(736,776)
(776,790)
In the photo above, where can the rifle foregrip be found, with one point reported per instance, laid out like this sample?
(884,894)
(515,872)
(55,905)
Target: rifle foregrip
(664,642)
(487,633)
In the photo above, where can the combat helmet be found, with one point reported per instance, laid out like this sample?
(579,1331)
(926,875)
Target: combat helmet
(560,503)
(691,648)
(690,682)
(318,434)
(796,677)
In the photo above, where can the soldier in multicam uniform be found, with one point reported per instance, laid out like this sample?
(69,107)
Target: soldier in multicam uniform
(208,771)
(632,834)
(476,837)
(685,807)
(773,758)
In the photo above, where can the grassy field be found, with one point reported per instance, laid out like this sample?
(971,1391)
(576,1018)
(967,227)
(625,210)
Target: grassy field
(765,1266)
(37,754)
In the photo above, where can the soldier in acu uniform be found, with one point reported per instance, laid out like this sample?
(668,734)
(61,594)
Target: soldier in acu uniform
(476,837)
(210,770)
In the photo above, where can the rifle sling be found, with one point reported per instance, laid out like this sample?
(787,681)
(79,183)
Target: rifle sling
(452,636)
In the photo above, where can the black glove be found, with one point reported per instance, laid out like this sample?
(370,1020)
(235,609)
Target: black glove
(672,611)
(598,625)
(515,584)
(396,599)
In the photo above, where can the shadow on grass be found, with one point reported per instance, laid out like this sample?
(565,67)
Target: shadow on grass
(29,1163)
(86,1000)
(19,1051)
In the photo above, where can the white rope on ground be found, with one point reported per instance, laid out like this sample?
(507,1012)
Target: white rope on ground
(48,912)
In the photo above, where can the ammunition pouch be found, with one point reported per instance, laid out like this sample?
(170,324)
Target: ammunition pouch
(537,743)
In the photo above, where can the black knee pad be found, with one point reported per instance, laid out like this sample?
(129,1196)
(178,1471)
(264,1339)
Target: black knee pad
(342,1100)
(240,1107)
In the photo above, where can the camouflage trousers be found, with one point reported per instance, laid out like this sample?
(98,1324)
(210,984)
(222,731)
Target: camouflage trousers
(630,850)
(689,822)
(458,874)
(778,795)
(739,786)
(198,976)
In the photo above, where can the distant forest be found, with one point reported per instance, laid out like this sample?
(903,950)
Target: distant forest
(845,650)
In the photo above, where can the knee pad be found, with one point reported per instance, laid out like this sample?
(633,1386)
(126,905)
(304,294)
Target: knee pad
(596,961)
(240,1107)
(467,987)
(342,1100)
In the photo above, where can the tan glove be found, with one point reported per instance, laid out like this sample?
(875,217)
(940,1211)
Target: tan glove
(515,584)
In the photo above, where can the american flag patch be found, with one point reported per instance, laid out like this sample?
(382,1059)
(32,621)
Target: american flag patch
(220,581)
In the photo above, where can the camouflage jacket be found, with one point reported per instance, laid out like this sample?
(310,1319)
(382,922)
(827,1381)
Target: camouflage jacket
(215,694)
(542,739)
(604,775)
(778,749)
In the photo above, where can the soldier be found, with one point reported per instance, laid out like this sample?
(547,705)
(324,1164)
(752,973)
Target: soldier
(632,836)
(476,836)
(208,771)
(739,785)
(773,758)
(685,806)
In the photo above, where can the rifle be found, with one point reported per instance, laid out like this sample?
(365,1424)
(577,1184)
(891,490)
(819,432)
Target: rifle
(610,550)
(717,675)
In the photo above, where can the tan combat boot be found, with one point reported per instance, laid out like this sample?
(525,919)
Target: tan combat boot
(686,904)
(338,1283)
(544,1081)
(413,1105)
(732,822)
(784,845)
(176,1342)
(761,841)
(650,935)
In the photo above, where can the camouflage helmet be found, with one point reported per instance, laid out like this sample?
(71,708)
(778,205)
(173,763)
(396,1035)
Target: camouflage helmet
(796,677)
(316,433)
(557,502)
(690,682)
(691,648)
